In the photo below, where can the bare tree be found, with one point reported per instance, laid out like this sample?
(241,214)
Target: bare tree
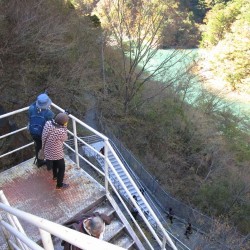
(223,236)
(134,31)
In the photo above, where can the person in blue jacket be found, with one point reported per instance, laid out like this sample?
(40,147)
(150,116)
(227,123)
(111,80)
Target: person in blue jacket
(39,112)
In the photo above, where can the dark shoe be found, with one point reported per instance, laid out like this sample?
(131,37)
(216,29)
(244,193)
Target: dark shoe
(49,168)
(64,186)
(40,163)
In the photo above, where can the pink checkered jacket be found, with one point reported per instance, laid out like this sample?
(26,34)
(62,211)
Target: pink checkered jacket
(52,140)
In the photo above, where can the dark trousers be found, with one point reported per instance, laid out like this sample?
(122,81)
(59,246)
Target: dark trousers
(58,167)
(134,213)
(171,218)
(38,145)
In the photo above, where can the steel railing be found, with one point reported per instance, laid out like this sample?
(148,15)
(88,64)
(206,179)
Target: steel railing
(46,229)
(184,212)
(118,186)
(161,238)
(155,208)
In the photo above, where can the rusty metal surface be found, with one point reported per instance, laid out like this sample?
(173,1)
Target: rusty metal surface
(32,190)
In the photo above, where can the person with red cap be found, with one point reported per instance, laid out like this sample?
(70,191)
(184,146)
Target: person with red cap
(53,137)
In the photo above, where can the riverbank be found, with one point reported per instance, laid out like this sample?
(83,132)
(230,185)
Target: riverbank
(218,86)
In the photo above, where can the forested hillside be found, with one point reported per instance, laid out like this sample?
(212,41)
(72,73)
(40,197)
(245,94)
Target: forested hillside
(104,49)
(46,45)
(227,34)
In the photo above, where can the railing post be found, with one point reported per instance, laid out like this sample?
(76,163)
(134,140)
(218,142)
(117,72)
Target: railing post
(164,241)
(46,239)
(106,166)
(6,235)
(75,142)
(14,221)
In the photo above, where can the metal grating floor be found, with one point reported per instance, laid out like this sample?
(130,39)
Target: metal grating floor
(32,190)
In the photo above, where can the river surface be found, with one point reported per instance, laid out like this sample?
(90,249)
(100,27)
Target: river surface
(178,63)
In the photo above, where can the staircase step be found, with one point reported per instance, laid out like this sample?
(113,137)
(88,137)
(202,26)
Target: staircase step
(105,208)
(115,164)
(120,171)
(122,175)
(124,241)
(127,182)
(115,233)
(131,188)
(113,229)
(112,159)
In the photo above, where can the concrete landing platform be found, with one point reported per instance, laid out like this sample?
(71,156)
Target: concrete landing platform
(32,190)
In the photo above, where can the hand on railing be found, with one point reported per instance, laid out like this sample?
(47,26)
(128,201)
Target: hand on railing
(67,111)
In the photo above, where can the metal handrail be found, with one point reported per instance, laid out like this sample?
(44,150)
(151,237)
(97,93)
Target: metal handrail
(181,245)
(109,147)
(48,228)
(135,178)
(128,167)
(135,161)
(164,233)
(108,167)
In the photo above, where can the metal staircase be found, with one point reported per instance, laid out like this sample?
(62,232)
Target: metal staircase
(124,176)
(119,184)
(129,186)
(97,144)
(52,234)
(115,233)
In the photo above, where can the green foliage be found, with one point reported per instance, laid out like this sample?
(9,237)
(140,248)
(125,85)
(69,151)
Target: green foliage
(227,33)
(238,140)
(213,198)
(226,196)
(200,8)
(211,3)
(231,57)
(181,31)
(241,217)
(95,20)
(197,7)
(218,22)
